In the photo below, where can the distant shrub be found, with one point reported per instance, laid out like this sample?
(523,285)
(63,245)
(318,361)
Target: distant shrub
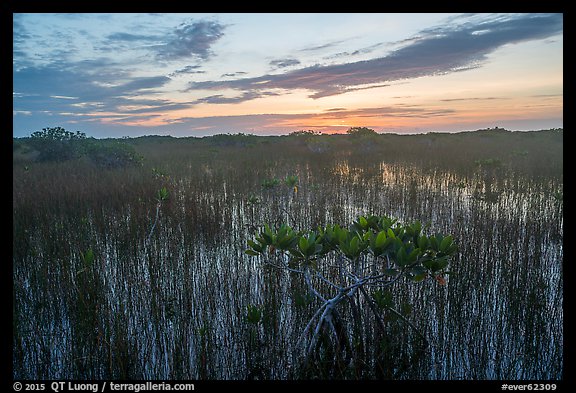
(112,154)
(360,131)
(238,140)
(305,133)
(57,144)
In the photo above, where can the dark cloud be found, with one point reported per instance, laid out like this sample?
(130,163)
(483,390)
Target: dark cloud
(130,119)
(101,69)
(268,123)
(136,85)
(120,42)
(38,88)
(233,74)
(386,111)
(161,106)
(322,47)
(104,89)
(437,51)
(132,37)
(190,69)
(221,99)
(282,63)
(361,51)
(19,32)
(20,36)
(192,39)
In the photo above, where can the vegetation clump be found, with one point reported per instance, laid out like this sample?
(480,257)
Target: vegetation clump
(370,256)
(361,131)
(141,273)
(57,144)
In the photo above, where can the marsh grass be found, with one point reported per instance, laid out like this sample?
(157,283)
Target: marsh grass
(177,306)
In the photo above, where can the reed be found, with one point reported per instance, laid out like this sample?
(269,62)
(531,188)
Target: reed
(99,295)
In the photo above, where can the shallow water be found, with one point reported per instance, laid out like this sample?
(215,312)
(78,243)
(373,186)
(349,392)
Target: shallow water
(176,308)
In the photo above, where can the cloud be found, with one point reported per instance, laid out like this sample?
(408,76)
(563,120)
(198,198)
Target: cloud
(360,51)
(155,106)
(19,33)
(386,111)
(136,85)
(75,87)
(190,39)
(193,39)
(121,36)
(64,97)
(436,51)
(20,38)
(229,74)
(221,99)
(282,121)
(25,113)
(190,69)
(283,63)
(322,47)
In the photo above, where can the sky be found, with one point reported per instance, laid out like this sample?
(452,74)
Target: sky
(127,75)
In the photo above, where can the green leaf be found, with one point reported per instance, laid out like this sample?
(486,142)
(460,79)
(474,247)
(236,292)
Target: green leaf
(446,242)
(413,255)
(419,277)
(396,244)
(363,222)
(435,264)
(401,257)
(433,240)
(441,264)
(354,244)
(419,273)
(286,242)
(341,233)
(417,226)
(251,252)
(267,235)
(423,242)
(367,236)
(162,194)
(303,244)
(429,264)
(451,249)
(391,272)
(409,231)
(88,257)
(388,242)
(296,254)
(380,239)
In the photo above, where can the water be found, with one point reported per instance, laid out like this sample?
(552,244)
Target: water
(176,308)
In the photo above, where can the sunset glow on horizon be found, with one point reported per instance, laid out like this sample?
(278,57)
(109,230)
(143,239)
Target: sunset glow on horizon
(113,75)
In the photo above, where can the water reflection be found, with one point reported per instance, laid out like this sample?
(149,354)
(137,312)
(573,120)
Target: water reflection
(177,308)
